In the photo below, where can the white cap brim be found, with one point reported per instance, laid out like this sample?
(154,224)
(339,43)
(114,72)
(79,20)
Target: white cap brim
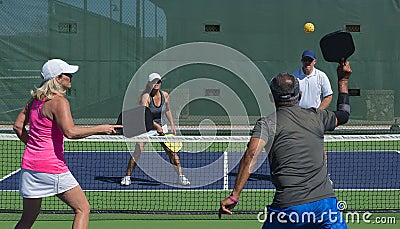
(71,69)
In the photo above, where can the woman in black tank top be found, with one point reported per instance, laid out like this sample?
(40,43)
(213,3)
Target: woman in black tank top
(157,101)
(157,111)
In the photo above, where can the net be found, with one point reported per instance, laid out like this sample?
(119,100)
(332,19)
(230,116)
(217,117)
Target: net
(364,170)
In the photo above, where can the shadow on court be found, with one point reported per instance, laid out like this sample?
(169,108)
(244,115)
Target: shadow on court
(117,180)
(255,176)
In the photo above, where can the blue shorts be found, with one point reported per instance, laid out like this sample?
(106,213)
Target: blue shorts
(319,214)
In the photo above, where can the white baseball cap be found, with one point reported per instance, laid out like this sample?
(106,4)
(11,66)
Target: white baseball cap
(55,67)
(154,76)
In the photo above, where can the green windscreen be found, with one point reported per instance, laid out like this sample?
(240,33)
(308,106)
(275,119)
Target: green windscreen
(111,40)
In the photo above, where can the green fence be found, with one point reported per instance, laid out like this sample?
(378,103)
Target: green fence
(111,39)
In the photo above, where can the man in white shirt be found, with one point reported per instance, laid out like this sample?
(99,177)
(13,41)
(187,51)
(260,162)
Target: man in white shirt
(314,84)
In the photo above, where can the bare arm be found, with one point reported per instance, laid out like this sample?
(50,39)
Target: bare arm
(246,167)
(159,128)
(343,73)
(343,107)
(20,122)
(144,100)
(58,109)
(325,102)
(168,113)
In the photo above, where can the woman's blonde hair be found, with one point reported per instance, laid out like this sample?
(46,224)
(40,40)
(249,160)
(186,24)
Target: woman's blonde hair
(48,90)
(147,90)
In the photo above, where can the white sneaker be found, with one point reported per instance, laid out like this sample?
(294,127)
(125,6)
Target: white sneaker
(126,180)
(183,180)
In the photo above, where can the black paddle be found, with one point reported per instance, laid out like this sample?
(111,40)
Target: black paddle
(136,121)
(337,45)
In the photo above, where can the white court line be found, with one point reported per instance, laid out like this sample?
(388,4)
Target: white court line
(364,151)
(210,190)
(171,190)
(202,190)
(9,175)
(226,171)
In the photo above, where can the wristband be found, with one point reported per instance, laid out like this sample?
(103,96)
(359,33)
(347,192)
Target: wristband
(233,199)
(343,103)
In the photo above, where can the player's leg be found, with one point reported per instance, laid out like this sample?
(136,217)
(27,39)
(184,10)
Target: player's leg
(31,209)
(174,159)
(76,199)
(139,147)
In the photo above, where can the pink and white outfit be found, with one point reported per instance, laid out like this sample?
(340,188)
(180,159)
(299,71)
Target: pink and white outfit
(44,170)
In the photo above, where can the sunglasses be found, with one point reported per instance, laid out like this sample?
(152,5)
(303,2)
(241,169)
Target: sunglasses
(307,59)
(67,74)
(158,82)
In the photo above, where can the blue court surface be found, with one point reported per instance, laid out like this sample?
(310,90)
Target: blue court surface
(349,171)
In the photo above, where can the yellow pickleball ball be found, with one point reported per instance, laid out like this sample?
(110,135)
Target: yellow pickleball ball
(309,27)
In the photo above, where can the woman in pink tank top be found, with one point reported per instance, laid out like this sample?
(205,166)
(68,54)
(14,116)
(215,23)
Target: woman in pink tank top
(43,163)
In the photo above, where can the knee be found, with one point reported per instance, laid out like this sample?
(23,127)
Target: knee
(86,208)
(83,209)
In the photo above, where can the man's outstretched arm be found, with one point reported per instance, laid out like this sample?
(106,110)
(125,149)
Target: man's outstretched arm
(246,166)
(343,106)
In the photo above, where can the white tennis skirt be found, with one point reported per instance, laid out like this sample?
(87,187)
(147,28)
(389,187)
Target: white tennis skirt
(36,185)
(154,132)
